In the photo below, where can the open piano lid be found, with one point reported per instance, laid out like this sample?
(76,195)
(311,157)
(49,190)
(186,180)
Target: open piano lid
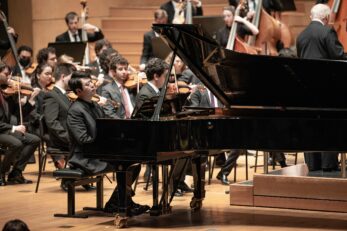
(238,79)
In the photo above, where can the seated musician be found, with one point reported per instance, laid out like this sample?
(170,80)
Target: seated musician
(55,107)
(42,79)
(81,123)
(47,55)
(175,10)
(244,26)
(19,144)
(320,41)
(25,54)
(74,34)
(116,91)
(100,46)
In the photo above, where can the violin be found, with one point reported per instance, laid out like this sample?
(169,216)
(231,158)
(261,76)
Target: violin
(30,69)
(135,80)
(15,86)
(96,98)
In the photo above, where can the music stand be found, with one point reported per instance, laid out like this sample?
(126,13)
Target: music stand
(74,49)
(210,24)
(160,48)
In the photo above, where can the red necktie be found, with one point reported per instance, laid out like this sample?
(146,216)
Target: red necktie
(125,103)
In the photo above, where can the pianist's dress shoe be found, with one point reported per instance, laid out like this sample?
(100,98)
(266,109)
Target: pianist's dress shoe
(178,193)
(137,209)
(184,187)
(223,178)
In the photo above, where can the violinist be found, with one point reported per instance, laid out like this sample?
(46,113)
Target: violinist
(176,12)
(116,91)
(244,26)
(100,46)
(25,54)
(18,143)
(47,55)
(42,79)
(74,34)
(55,107)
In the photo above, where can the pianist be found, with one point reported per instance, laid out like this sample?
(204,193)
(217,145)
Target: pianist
(82,130)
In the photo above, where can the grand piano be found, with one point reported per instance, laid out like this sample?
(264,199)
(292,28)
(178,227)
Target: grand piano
(271,104)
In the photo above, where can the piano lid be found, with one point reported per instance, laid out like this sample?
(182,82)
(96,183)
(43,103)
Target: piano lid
(255,80)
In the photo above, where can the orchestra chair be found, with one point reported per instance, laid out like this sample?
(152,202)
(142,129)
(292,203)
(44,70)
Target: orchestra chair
(77,177)
(273,160)
(44,150)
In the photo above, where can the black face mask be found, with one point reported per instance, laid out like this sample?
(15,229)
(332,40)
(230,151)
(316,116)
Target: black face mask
(24,61)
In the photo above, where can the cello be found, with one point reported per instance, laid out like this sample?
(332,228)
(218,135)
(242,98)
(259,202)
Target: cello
(235,43)
(338,19)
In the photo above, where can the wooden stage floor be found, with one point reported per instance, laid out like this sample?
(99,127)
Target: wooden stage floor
(37,210)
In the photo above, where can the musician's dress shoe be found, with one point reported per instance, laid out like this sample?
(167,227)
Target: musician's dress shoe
(16,177)
(184,187)
(223,178)
(137,209)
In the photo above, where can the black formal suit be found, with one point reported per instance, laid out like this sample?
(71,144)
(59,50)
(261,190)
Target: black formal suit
(55,108)
(92,37)
(112,91)
(108,79)
(319,42)
(96,69)
(20,147)
(82,130)
(147,50)
(188,77)
(201,98)
(170,10)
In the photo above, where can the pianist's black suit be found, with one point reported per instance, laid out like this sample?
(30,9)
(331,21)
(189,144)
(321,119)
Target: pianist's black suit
(319,42)
(92,37)
(82,129)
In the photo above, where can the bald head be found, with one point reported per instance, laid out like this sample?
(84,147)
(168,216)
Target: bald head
(320,12)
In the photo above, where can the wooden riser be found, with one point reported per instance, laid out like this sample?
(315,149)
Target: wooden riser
(127,47)
(127,23)
(291,188)
(114,35)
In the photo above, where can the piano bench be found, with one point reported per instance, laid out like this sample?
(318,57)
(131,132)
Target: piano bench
(76,177)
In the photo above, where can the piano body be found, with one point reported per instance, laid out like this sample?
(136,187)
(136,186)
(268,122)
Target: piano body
(271,104)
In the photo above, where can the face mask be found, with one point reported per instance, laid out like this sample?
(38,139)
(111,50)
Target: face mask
(24,61)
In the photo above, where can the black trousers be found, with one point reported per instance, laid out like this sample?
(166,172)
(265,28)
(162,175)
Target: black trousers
(321,160)
(20,147)
(230,161)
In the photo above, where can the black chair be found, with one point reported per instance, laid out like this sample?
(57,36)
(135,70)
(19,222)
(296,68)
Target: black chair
(273,160)
(45,150)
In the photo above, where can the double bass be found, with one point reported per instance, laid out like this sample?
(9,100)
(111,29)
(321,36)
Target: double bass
(235,43)
(338,19)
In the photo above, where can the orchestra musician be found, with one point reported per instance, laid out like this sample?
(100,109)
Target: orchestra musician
(14,138)
(55,107)
(160,17)
(74,34)
(244,26)
(25,54)
(82,129)
(99,47)
(47,55)
(319,41)
(4,42)
(116,91)
(176,12)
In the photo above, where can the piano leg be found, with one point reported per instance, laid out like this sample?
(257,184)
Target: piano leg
(199,181)
(266,165)
(343,165)
(155,210)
